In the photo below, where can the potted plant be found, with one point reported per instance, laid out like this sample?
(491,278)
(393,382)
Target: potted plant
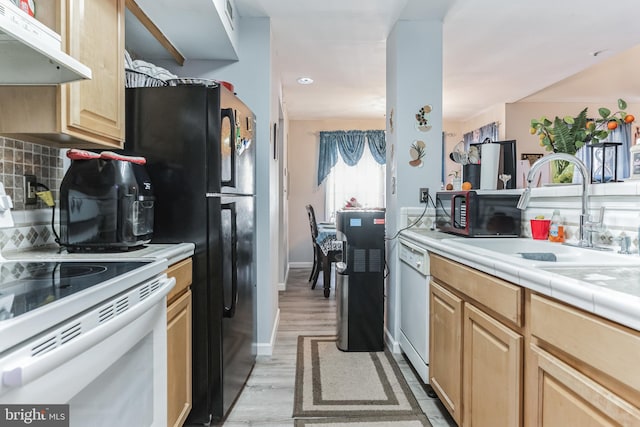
(569,134)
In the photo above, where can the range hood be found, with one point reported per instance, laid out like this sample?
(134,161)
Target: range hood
(31,52)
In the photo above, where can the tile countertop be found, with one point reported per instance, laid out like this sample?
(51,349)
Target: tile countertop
(610,292)
(173,253)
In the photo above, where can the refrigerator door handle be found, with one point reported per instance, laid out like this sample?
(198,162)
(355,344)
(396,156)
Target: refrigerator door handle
(230,310)
(228,113)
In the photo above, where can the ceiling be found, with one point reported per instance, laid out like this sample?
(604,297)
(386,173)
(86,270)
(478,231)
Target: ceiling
(495,51)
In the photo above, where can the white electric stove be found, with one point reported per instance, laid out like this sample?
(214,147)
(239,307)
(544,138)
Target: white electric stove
(88,333)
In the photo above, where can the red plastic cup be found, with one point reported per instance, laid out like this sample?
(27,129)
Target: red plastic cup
(540,228)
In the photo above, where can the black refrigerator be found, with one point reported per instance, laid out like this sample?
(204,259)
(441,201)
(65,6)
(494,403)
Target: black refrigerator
(200,149)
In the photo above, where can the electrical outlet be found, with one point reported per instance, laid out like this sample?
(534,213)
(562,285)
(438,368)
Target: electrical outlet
(424,195)
(30,197)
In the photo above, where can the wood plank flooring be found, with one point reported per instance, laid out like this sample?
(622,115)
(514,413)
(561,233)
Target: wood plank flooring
(267,399)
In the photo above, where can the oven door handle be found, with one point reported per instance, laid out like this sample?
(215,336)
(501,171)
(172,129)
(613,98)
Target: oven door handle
(35,367)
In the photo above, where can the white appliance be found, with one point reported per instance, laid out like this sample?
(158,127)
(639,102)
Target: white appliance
(89,334)
(31,52)
(414,306)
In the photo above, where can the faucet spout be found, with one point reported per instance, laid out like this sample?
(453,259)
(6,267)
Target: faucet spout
(584,216)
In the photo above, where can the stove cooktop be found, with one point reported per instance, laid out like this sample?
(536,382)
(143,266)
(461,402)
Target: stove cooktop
(26,286)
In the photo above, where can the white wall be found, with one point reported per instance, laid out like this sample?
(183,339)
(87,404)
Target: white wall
(414,79)
(304,140)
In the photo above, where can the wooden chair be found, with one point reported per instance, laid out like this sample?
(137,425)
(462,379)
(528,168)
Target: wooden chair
(321,262)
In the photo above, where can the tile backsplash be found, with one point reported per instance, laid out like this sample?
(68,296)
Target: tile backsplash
(621,217)
(33,222)
(20,158)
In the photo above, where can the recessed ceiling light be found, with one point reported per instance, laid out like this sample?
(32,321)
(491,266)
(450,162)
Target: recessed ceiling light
(305,80)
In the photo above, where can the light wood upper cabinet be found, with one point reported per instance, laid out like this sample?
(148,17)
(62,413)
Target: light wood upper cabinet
(79,114)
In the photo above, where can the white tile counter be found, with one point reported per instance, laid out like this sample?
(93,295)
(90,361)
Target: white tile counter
(172,252)
(612,292)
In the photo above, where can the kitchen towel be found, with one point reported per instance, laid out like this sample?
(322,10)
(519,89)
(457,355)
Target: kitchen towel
(490,158)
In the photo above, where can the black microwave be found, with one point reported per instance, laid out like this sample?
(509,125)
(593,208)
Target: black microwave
(478,213)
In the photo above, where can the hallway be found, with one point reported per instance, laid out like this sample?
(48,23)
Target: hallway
(267,399)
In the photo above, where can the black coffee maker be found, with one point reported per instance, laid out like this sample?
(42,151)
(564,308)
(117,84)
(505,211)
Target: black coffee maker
(106,203)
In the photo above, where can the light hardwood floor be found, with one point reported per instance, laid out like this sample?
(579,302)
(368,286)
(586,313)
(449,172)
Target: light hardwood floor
(267,399)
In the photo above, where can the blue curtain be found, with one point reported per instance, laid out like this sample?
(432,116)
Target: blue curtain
(350,145)
(377,145)
(328,156)
(622,134)
(478,135)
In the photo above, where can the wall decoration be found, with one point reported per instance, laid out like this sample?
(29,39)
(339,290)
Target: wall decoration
(417,152)
(423,123)
(531,157)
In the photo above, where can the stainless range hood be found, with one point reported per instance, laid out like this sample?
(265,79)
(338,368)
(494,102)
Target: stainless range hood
(31,54)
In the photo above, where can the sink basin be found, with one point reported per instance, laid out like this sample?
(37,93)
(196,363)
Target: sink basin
(541,253)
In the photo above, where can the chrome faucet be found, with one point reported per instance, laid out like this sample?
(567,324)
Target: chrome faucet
(586,225)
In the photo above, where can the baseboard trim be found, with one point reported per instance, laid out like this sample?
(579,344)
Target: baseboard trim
(283,286)
(264,349)
(304,264)
(392,344)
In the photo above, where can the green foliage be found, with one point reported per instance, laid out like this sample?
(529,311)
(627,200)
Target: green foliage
(569,134)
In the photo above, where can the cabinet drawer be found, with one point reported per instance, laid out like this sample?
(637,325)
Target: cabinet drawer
(598,343)
(566,397)
(182,271)
(503,298)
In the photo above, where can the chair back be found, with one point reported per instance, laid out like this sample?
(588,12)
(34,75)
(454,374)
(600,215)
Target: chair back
(312,222)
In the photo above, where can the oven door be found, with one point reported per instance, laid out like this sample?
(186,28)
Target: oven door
(109,363)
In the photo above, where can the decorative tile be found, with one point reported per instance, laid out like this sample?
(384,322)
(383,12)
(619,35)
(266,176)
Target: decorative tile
(19,158)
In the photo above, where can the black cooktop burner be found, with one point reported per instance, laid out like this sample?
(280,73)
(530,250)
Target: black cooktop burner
(47,270)
(25,286)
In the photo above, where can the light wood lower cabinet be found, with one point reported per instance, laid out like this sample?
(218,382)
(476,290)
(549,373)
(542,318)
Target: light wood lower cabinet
(445,348)
(179,399)
(556,366)
(476,360)
(562,396)
(584,369)
(492,371)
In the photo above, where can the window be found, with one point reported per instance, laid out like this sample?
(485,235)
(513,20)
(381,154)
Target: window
(365,181)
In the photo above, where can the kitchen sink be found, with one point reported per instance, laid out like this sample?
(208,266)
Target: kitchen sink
(541,253)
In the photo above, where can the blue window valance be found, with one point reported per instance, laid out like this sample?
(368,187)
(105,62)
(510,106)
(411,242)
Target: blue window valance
(350,145)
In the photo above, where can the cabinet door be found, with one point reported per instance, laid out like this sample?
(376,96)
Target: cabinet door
(445,348)
(565,397)
(492,372)
(179,360)
(95,36)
